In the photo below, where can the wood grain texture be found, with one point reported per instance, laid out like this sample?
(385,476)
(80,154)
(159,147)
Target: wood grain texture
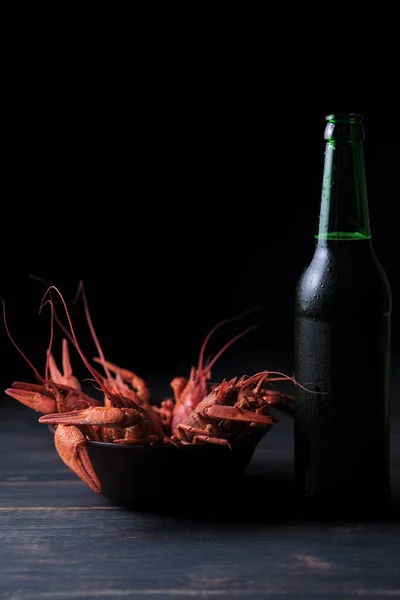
(60,540)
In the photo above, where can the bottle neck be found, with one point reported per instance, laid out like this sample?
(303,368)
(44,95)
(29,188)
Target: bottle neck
(344,202)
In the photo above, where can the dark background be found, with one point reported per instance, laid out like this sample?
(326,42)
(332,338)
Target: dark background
(179,206)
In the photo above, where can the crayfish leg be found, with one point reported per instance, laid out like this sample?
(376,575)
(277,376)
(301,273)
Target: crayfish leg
(195,435)
(150,439)
(201,438)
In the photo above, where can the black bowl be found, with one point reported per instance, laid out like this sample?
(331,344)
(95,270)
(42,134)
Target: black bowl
(165,476)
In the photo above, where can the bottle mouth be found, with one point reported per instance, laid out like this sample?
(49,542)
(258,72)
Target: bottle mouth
(344,118)
(342,128)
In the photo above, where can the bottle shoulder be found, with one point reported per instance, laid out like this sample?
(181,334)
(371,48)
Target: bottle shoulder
(343,275)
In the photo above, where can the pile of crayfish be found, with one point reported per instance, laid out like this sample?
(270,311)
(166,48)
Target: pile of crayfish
(199,411)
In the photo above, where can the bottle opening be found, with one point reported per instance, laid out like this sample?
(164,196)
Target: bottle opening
(344,118)
(344,128)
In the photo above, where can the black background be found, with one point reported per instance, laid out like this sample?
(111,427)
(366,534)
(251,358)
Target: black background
(179,204)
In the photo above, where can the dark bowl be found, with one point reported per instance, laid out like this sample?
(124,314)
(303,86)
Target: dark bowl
(168,477)
(165,476)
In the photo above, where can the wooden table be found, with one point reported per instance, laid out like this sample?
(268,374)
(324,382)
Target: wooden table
(58,539)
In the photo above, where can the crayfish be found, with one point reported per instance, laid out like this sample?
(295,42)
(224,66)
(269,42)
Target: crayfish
(201,410)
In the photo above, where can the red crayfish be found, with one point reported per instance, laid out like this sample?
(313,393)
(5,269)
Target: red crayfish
(201,411)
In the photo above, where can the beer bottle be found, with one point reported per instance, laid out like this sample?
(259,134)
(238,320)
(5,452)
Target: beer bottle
(342,342)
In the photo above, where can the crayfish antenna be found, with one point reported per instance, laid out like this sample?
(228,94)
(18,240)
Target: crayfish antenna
(282,377)
(37,374)
(56,317)
(226,346)
(81,290)
(218,326)
(48,353)
(91,370)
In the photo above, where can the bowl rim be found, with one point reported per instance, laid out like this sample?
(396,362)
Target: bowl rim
(169,446)
(247,441)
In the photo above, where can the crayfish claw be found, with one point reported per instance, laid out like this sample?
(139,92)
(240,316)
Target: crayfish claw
(71,446)
(33,396)
(94,415)
(233,413)
(66,377)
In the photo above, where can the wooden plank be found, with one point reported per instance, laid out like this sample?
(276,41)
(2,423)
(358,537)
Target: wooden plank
(68,554)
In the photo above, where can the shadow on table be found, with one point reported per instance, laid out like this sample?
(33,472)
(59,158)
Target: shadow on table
(269,499)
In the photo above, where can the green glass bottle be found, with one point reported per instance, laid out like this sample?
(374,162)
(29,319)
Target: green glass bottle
(342,342)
